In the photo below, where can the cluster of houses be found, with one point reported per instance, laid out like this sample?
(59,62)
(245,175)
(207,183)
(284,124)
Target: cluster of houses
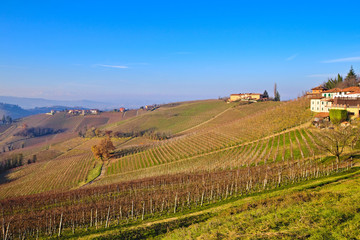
(150,107)
(322,100)
(122,110)
(246,97)
(85,111)
(77,112)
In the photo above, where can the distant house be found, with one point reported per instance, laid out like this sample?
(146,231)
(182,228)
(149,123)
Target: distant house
(320,118)
(122,109)
(151,107)
(245,96)
(318,89)
(75,111)
(94,111)
(52,112)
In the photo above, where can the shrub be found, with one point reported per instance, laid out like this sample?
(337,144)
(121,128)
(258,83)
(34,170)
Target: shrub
(338,115)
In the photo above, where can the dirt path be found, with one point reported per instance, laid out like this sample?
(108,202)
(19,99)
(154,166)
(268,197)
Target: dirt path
(200,124)
(102,173)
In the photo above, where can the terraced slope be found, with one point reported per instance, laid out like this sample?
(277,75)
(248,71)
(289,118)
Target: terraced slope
(209,135)
(206,164)
(174,117)
(223,142)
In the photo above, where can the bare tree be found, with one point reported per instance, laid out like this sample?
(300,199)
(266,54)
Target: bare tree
(335,140)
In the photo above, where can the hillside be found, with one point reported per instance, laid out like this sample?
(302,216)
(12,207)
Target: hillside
(215,155)
(16,112)
(13,111)
(32,103)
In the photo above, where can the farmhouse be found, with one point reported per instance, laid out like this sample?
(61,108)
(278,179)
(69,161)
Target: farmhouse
(320,119)
(94,111)
(245,96)
(318,90)
(52,112)
(345,99)
(320,104)
(74,111)
(151,107)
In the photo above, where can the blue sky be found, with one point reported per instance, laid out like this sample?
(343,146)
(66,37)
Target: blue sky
(136,52)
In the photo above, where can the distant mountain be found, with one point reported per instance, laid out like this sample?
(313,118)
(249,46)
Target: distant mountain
(31,103)
(16,111)
(13,111)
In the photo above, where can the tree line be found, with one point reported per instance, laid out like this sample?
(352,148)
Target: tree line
(148,133)
(351,79)
(6,120)
(15,160)
(37,132)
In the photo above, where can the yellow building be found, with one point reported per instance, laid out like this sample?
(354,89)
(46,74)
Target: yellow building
(245,96)
(318,90)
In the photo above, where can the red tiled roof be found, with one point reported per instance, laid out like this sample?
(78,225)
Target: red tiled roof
(333,90)
(322,115)
(319,88)
(239,94)
(351,89)
(358,91)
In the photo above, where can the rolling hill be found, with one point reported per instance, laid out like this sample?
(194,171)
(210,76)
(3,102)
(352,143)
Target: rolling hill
(31,103)
(216,156)
(15,111)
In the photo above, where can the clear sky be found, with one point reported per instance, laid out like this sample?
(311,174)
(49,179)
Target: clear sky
(161,51)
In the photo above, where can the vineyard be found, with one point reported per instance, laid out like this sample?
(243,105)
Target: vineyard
(173,119)
(226,139)
(217,152)
(119,204)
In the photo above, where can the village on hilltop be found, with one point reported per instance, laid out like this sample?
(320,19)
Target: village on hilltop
(247,96)
(323,99)
(336,97)
(83,112)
